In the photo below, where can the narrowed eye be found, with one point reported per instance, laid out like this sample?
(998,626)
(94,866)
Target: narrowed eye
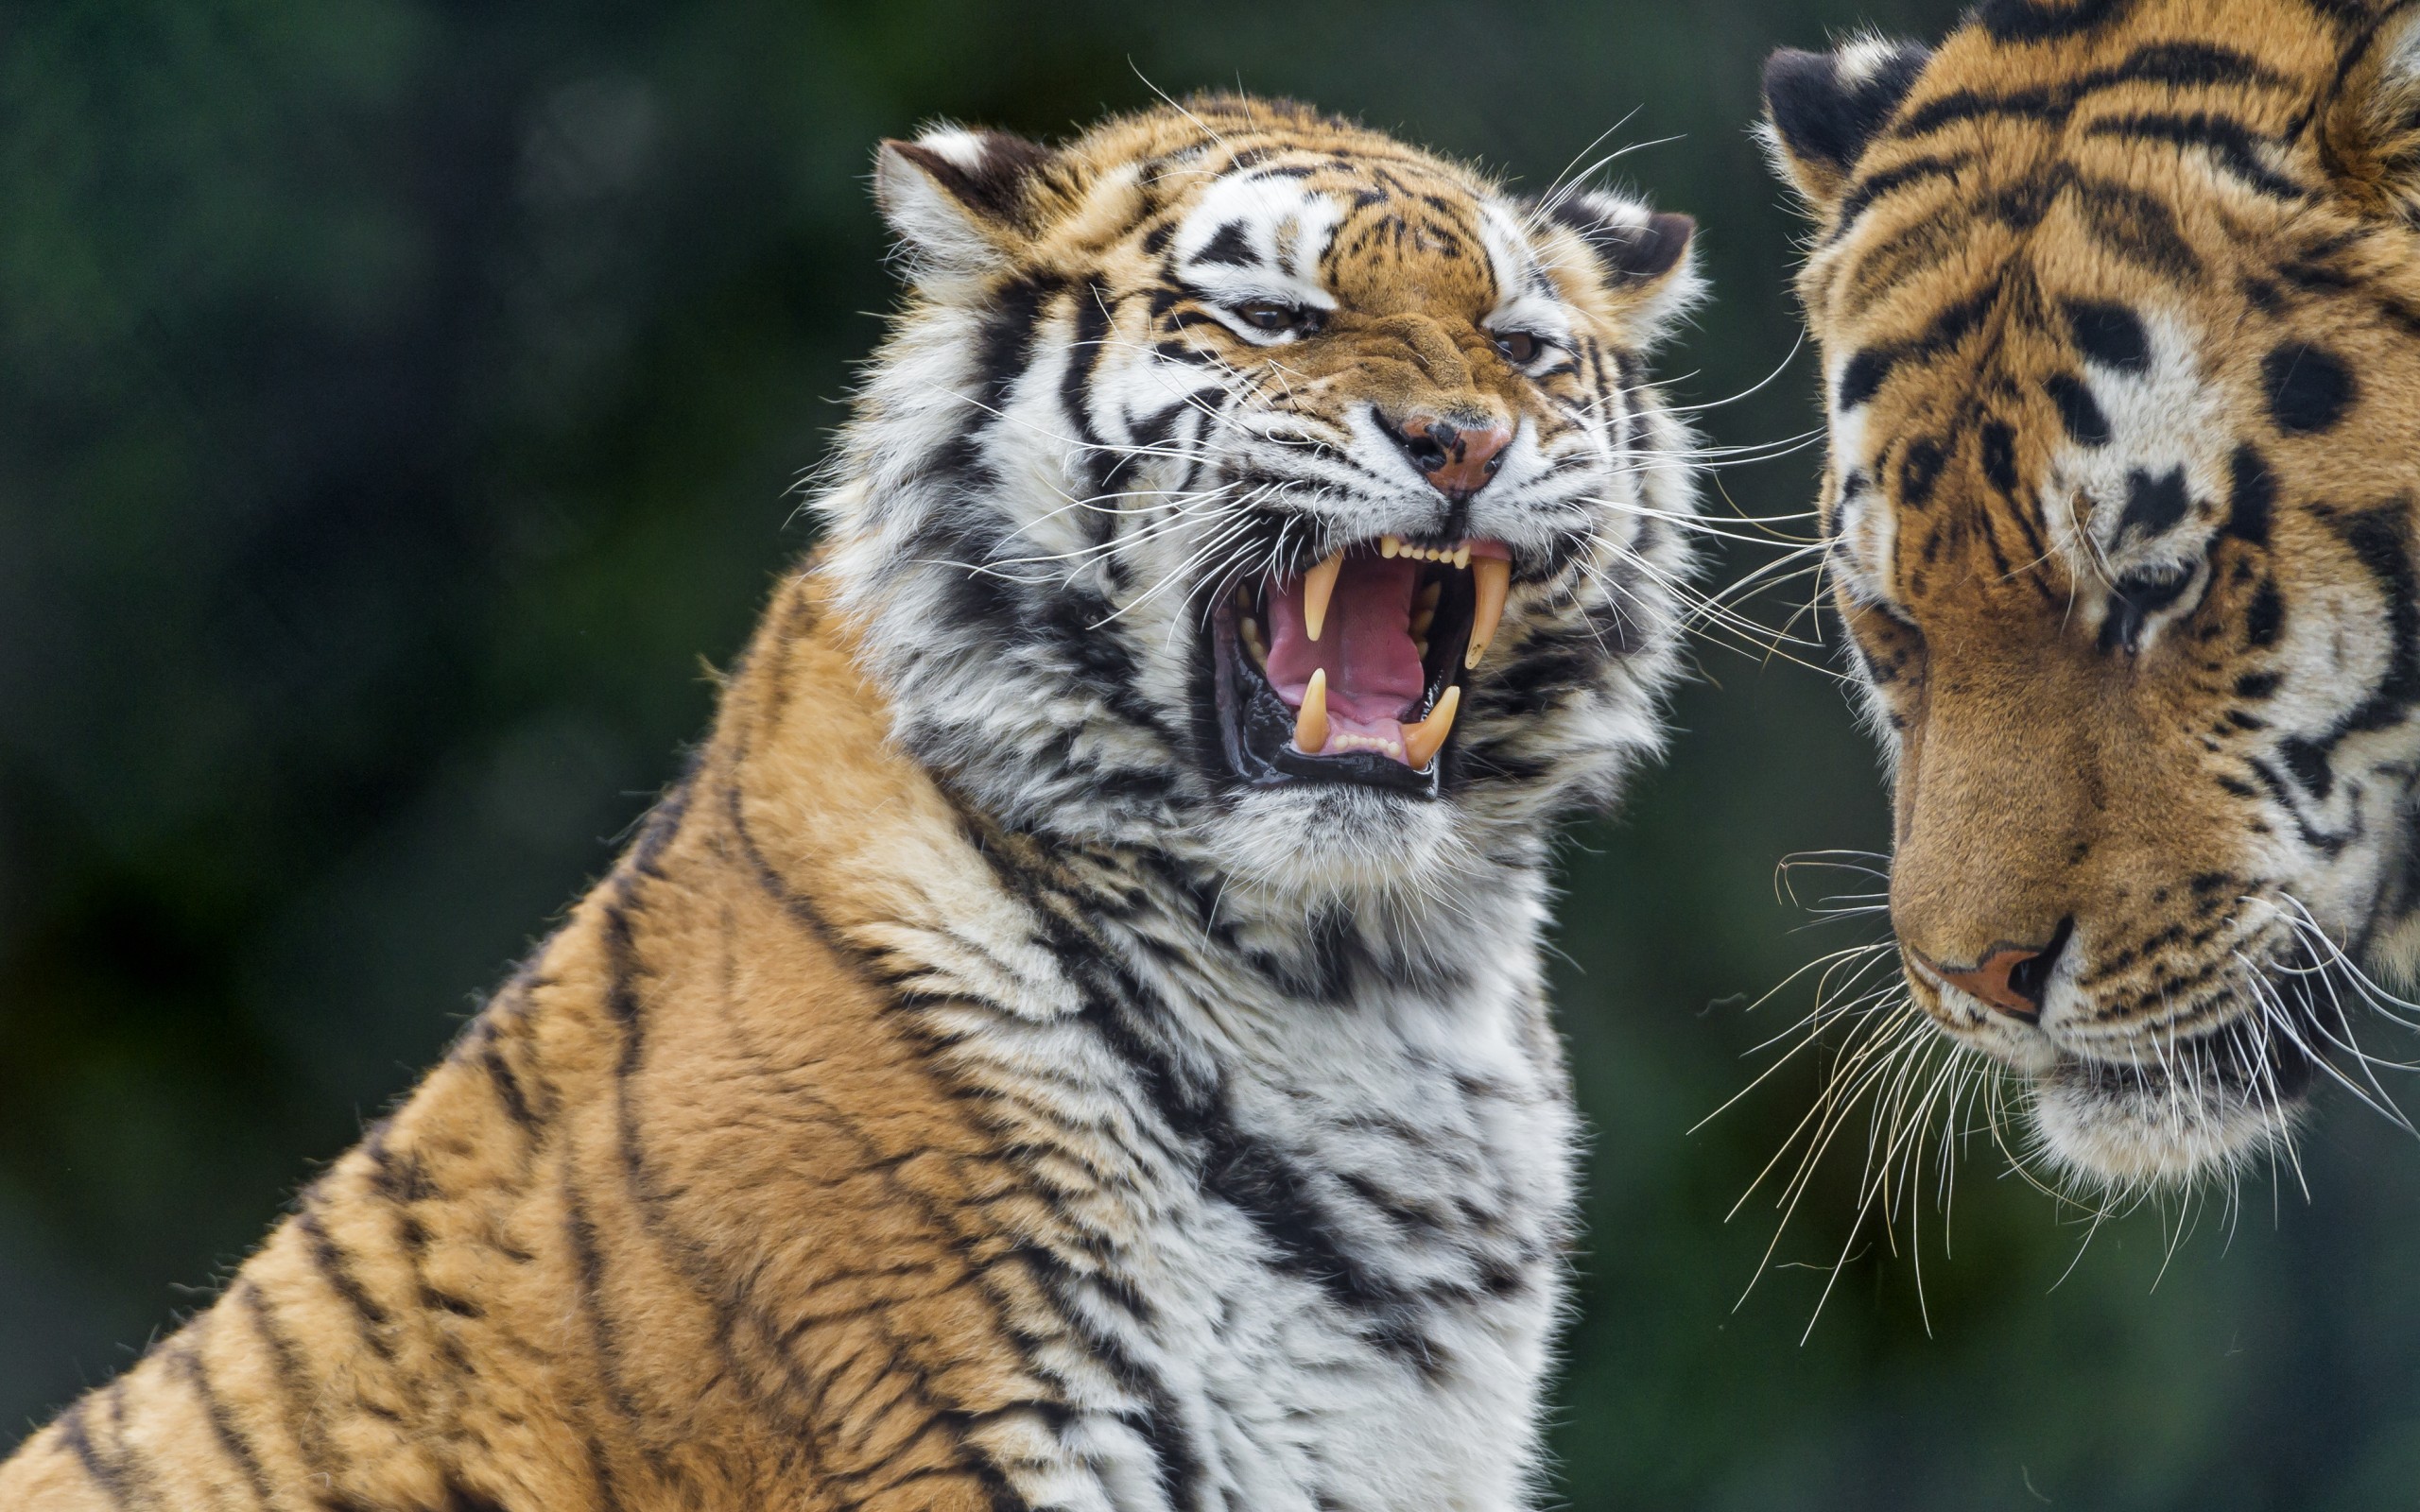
(1269,315)
(1521,348)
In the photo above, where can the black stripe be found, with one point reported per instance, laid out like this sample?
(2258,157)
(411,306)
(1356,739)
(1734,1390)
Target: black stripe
(299,1392)
(2176,64)
(2227,140)
(508,1085)
(604,1336)
(336,1268)
(222,1424)
(1889,181)
(2138,227)
(2033,21)
(103,1472)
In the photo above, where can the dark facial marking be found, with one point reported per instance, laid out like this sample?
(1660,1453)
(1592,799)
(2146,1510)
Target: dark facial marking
(2110,334)
(2256,498)
(2231,144)
(1999,456)
(2078,410)
(1917,473)
(1229,247)
(1862,377)
(2153,503)
(2265,621)
(2308,387)
(2031,21)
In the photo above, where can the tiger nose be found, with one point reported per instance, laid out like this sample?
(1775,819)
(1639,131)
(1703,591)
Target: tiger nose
(1456,459)
(2011,978)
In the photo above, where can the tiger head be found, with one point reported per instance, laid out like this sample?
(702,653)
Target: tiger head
(2119,307)
(1249,486)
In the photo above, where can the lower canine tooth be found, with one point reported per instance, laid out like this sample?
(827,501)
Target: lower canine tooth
(1492,578)
(1311,721)
(1421,741)
(1318,586)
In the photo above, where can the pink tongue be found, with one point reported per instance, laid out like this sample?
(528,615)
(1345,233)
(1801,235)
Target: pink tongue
(1373,672)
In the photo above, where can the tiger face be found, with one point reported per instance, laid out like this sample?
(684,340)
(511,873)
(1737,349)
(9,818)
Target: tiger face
(1251,485)
(2119,314)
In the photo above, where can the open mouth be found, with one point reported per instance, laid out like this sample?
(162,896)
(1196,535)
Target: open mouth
(1351,672)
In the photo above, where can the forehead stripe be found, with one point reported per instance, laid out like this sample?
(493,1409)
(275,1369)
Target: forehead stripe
(2176,64)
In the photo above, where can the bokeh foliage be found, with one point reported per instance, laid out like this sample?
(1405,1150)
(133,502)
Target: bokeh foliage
(397,401)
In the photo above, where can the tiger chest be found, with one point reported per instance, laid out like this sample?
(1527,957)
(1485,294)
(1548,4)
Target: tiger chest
(1337,1290)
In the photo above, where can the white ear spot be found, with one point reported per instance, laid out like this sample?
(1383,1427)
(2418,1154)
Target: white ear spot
(959,145)
(956,198)
(1862,56)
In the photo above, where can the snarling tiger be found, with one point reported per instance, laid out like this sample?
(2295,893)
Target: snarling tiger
(2111,297)
(1074,1037)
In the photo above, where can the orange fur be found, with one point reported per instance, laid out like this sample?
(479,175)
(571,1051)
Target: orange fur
(548,1281)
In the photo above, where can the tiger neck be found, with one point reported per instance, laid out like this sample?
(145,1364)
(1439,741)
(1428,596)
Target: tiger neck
(835,804)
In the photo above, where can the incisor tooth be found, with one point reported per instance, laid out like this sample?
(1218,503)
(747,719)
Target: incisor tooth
(1461,555)
(1492,578)
(1421,741)
(1311,721)
(1389,546)
(1318,586)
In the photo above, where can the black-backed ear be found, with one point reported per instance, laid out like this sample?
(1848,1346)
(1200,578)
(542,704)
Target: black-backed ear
(959,200)
(1822,110)
(1641,256)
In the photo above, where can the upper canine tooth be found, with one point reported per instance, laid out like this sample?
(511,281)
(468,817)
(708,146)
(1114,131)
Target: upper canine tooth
(1421,741)
(1311,721)
(1492,577)
(1389,545)
(1318,586)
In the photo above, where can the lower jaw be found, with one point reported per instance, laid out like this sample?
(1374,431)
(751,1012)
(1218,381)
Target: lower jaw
(2134,1123)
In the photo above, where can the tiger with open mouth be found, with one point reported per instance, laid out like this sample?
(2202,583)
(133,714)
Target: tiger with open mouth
(1075,1037)
(2116,300)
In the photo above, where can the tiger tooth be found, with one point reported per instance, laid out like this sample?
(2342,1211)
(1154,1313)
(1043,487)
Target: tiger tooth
(1389,545)
(1492,578)
(1421,741)
(1318,586)
(1311,721)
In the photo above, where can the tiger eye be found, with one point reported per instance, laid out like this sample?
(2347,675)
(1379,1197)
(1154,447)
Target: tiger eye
(1518,346)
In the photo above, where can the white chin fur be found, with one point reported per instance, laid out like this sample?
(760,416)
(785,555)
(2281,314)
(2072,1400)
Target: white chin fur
(2146,1139)
(1327,841)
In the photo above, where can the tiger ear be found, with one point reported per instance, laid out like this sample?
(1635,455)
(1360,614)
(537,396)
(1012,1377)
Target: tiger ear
(1823,108)
(2371,129)
(1641,257)
(959,200)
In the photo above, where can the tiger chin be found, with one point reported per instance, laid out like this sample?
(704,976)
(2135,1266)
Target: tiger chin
(2119,307)
(1074,1037)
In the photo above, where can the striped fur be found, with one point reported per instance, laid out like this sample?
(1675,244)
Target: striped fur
(2119,308)
(965,1091)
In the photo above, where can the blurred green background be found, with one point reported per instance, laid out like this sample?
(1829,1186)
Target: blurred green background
(398,401)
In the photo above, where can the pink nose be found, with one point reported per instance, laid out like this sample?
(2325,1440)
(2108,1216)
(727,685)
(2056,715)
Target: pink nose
(2011,978)
(1456,459)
